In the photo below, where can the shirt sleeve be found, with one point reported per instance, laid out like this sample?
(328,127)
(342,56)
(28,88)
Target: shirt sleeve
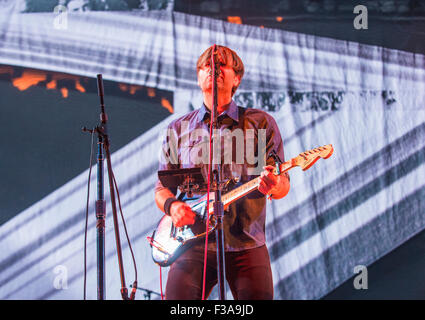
(274,142)
(168,155)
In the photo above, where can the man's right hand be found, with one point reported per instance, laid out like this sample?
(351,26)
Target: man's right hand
(181,214)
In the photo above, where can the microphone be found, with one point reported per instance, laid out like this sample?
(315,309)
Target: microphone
(103,115)
(215,60)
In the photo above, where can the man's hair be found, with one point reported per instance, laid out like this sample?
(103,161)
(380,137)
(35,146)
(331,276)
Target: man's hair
(224,52)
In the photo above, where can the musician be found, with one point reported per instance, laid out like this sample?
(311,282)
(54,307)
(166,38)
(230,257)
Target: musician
(247,262)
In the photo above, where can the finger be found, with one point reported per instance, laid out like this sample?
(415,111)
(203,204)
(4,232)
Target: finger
(187,217)
(185,205)
(191,220)
(178,219)
(188,212)
(265,176)
(176,222)
(268,181)
(268,168)
(187,220)
(266,173)
(262,187)
(263,191)
(183,208)
(269,174)
(265,185)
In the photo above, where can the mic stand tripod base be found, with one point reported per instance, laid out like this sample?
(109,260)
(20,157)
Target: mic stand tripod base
(221,264)
(219,215)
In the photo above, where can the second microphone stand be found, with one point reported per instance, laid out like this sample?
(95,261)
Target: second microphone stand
(103,146)
(217,204)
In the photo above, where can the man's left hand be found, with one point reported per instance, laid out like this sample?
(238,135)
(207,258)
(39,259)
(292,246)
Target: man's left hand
(276,186)
(267,180)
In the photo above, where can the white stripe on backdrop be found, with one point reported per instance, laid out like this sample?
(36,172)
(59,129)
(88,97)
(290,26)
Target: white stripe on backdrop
(160,48)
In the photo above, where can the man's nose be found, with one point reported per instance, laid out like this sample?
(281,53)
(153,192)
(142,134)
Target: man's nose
(210,71)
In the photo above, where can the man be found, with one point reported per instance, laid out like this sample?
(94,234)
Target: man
(247,262)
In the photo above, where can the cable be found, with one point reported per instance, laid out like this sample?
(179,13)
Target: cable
(160,282)
(87,217)
(206,233)
(155,244)
(212,65)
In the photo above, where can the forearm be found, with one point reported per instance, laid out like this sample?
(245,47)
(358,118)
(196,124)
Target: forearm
(180,212)
(161,196)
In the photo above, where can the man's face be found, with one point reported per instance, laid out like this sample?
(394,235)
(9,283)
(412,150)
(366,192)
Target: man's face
(226,80)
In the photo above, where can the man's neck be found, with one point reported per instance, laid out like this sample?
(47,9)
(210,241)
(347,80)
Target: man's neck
(222,103)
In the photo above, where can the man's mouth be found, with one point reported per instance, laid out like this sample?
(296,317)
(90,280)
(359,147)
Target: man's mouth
(210,77)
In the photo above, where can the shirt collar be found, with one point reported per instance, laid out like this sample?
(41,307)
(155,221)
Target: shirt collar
(232,112)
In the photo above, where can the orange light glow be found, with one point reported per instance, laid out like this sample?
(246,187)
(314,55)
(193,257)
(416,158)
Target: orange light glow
(133,89)
(123,87)
(167,105)
(51,85)
(28,79)
(79,87)
(234,19)
(51,81)
(64,92)
(151,92)
(279,19)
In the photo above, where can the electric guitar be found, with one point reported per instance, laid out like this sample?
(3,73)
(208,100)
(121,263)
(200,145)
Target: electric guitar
(168,242)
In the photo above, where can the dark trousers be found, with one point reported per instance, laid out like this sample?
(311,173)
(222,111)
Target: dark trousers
(248,274)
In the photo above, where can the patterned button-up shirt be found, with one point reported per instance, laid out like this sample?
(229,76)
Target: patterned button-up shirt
(247,136)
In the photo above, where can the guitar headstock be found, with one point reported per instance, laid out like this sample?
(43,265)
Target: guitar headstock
(307,158)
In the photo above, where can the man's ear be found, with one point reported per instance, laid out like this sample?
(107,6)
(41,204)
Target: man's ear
(236,81)
(197,79)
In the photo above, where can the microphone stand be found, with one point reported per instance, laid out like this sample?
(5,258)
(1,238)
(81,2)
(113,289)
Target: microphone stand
(103,145)
(100,219)
(218,204)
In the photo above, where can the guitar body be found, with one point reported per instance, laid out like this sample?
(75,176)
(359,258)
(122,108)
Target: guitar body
(168,241)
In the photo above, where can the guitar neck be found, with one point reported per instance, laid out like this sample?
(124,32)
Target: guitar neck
(240,191)
(248,187)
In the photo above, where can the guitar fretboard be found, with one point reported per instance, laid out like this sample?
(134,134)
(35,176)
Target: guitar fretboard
(241,191)
(246,188)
